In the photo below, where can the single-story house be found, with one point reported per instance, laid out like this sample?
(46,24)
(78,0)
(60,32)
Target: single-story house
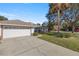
(41,29)
(15,28)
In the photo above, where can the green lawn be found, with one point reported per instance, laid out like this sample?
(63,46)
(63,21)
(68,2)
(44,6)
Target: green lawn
(71,42)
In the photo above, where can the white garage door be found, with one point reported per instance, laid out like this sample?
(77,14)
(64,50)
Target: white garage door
(0,31)
(9,33)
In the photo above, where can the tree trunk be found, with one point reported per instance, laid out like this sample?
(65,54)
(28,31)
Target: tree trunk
(58,20)
(73,27)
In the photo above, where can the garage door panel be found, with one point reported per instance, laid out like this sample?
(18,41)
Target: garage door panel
(9,33)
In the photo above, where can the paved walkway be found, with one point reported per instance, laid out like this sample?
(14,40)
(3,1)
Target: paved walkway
(32,46)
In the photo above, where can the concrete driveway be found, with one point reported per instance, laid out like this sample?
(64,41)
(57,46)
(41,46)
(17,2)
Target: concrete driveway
(32,46)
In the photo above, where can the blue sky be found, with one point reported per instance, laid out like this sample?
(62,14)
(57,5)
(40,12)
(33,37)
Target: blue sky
(33,12)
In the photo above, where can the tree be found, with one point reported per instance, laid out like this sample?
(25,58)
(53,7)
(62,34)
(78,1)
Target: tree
(55,12)
(75,8)
(3,18)
(71,14)
(50,23)
(77,23)
(65,26)
(63,11)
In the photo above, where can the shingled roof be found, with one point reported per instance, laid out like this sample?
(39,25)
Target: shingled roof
(17,23)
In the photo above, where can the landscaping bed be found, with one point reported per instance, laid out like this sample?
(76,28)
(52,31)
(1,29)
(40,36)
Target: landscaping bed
(67,40)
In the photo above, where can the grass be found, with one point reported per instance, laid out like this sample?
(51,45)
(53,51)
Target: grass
(70,42)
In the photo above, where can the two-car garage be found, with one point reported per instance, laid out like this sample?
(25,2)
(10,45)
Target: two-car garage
(9,33)
(15,28)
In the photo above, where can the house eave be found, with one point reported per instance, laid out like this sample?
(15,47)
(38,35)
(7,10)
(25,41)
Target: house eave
(16,25)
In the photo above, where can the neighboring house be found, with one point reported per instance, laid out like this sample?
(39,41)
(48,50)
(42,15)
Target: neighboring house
(41,29)
(76,29)
(44,29)
(77,26)
(16,28)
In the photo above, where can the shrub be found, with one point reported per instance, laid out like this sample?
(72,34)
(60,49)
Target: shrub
(52,33)
(35,34)
(67,35)
(61,34)
(42,32)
